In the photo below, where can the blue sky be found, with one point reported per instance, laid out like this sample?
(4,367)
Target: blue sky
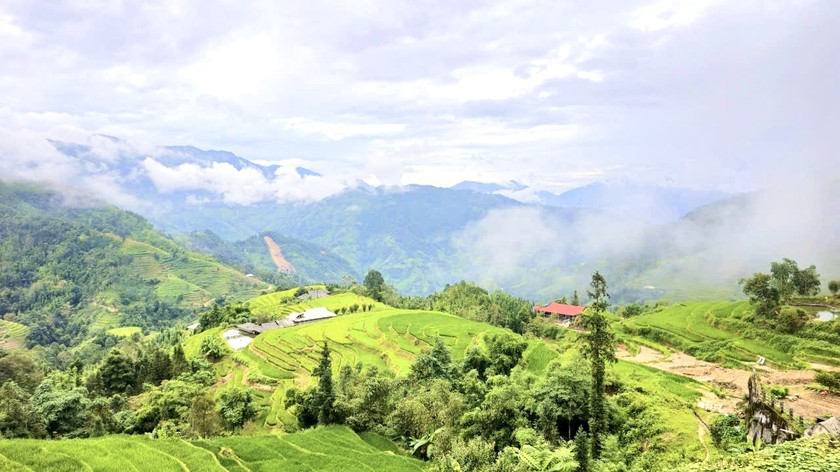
(724,95)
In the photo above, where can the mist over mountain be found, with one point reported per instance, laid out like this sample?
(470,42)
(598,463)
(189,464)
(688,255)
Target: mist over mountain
(701,255)
(651,203)
(651,240)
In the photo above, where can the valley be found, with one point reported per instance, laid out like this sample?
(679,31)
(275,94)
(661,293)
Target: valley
(482,236)
(413,380)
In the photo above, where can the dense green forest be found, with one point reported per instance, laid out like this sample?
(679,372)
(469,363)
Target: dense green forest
(69,270)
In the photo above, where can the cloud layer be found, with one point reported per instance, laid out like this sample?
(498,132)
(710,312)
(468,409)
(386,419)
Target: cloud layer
(724,95)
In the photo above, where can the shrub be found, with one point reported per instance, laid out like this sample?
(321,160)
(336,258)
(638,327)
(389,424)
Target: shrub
(830,380)
(634,309)
(726,430)
(791,320)
(212,349)
(777,391)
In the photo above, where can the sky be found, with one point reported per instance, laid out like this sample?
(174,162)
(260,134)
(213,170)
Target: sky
(730,96)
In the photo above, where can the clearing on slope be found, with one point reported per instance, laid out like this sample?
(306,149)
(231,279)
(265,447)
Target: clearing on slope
(277,256)
(12,335)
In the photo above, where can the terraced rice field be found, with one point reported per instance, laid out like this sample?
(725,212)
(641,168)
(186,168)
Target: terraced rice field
(105,320)
(125,331)
(385,337)
(329,449)
(192,279)
(389,339)
(270,304)
(720,325)
(12,335)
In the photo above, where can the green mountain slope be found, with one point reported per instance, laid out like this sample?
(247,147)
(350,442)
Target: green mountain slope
(312,263)
(405,233)
(68,269)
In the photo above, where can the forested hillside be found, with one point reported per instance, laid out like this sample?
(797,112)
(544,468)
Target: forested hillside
(69,267)
(311,263)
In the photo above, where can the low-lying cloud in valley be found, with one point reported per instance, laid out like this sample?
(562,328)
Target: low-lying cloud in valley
(547,254)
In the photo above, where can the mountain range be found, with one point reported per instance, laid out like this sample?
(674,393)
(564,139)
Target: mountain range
(651,240)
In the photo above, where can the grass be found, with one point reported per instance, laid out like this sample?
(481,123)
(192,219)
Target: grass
(125,331)
(717,331)
(673,400)
(193,343)
(330,449)
(818,453)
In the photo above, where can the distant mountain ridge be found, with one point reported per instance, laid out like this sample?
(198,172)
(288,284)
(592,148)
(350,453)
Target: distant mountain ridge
(652,203)
(126,158)
(488,187)
(503,235)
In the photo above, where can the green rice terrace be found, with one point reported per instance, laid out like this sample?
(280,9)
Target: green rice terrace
(718,332)
(12,335)
(332,448)
(384,337)
(391,339)
(189,278)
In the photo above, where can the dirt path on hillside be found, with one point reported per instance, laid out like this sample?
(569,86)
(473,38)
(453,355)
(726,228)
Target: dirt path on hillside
(701,436)
(277,256)
(808,403)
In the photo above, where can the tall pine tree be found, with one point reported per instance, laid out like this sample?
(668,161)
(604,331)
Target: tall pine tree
(325,395)
(599,348)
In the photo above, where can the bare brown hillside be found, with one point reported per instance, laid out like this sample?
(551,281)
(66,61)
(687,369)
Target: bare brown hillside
(803,400)
(277,256)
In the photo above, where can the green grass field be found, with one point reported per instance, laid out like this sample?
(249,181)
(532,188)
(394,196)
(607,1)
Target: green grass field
(332,448)
(719,330)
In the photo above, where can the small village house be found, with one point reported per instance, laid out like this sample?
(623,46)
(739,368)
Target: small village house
(562,312)
(312,314)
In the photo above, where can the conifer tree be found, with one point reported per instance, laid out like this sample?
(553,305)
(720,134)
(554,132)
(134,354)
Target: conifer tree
(179,360)
(325,395)
(582,450)
(599,348)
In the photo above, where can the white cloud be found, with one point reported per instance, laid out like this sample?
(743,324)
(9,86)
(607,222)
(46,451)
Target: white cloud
(238,186)
(669,14)
(339,131)
(698,93)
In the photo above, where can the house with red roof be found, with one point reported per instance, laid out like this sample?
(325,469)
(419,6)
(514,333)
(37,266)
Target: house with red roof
(561,310)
